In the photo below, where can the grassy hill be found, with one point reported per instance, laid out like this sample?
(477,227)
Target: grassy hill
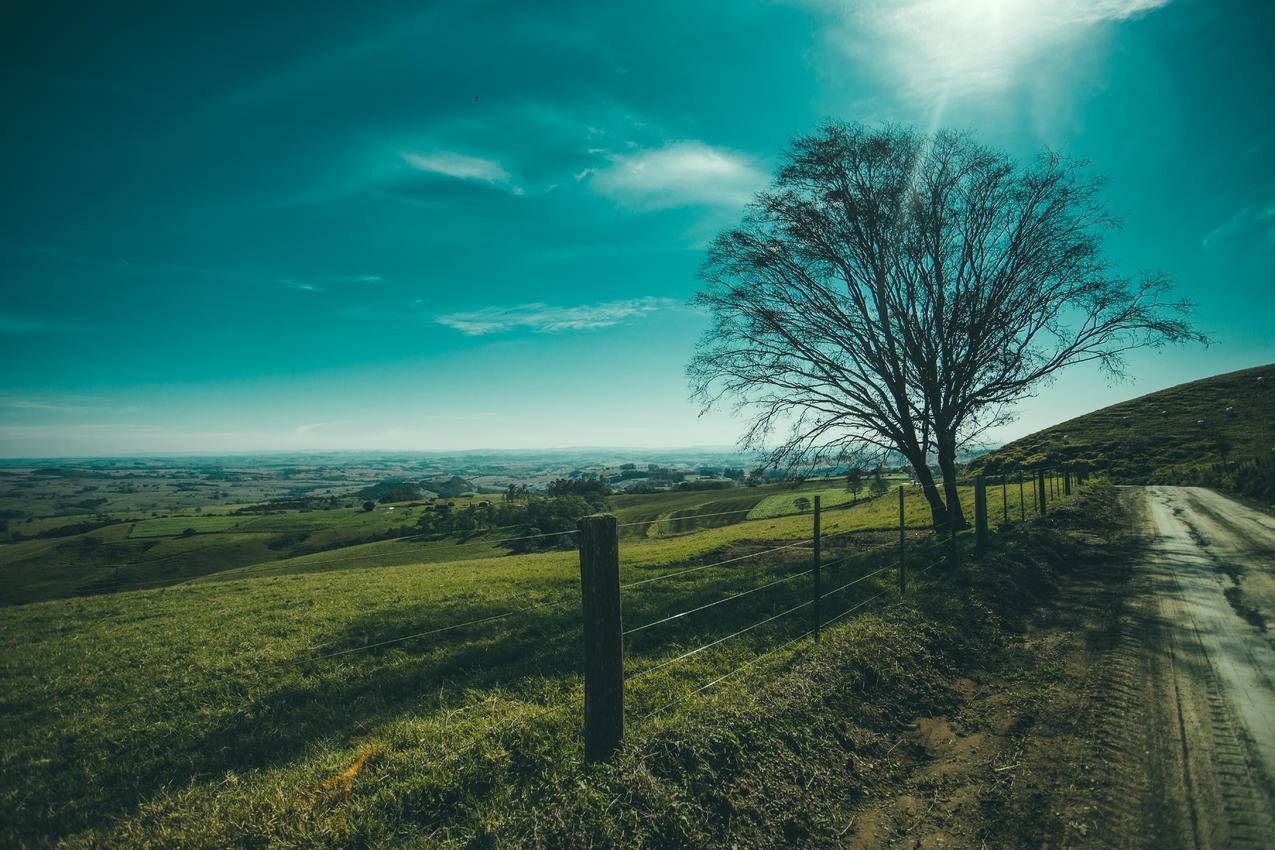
(1174,435)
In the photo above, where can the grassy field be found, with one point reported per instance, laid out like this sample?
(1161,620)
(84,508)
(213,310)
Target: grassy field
(654,515)
(239,707)
(1164,436)
(177,548)
(832,496)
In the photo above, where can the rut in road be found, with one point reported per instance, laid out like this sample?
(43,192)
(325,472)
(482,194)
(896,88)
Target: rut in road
(1187,701)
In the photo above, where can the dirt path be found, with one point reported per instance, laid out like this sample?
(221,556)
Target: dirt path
(1138,711)
(1189,685)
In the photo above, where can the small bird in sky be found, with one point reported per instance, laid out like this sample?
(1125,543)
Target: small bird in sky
(475,98)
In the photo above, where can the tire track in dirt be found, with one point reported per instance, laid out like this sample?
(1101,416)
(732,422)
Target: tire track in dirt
(1182,673)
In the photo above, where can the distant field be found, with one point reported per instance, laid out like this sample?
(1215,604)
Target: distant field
(172,526)
(830,497)
(150,552)
(675,511)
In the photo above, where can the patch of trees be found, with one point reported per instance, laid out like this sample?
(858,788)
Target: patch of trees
(390,490)
(522,521)
(515,492)
(854,482)
(66,472)
(87,504)
(877,486)
(301,503)
(592,489)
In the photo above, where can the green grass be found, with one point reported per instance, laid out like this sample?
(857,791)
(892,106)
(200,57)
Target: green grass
(153,550)
(1162,437)
(675,511)
(830,497)
(162,695)
(171,526)
(204,713)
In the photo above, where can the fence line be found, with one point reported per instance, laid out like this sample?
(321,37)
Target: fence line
(982,522)
(708,605)
(660,666)
(696,569)
(753,661)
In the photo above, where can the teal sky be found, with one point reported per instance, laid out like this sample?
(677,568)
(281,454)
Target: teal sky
(459,225)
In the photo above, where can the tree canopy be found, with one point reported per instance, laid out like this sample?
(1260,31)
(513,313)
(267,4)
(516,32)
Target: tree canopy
(895,291)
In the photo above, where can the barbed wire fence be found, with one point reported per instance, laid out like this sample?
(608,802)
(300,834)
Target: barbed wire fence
(605,679)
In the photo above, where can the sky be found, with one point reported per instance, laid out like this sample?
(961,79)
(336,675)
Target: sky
(437,226)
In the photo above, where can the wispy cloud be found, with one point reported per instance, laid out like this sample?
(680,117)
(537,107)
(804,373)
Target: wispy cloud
(321,284)
(63,404)
(301,286)
(678,174)
(542,318)
(1254,224)
(458,165)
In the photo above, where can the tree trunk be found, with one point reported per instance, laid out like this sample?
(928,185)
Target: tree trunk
(947,465)
(938,511)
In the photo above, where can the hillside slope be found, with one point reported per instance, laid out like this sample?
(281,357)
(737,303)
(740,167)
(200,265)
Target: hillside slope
(1166,436)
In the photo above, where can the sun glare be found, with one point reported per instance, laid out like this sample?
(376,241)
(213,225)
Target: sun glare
(942,48)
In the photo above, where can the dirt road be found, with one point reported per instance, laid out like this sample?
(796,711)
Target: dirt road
(1189,724)
(1136,711)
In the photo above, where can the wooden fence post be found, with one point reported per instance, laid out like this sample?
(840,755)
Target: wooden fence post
(603,647)
(1004,499)
(903,549)
(980,515)
(1040,485)
(818,559)
(1067,479)
(1022,500)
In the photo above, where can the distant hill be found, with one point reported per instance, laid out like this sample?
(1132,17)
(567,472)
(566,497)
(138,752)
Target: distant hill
(1168,436)
(451,488)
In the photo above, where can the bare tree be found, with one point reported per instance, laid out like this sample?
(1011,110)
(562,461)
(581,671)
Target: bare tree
(897,292)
